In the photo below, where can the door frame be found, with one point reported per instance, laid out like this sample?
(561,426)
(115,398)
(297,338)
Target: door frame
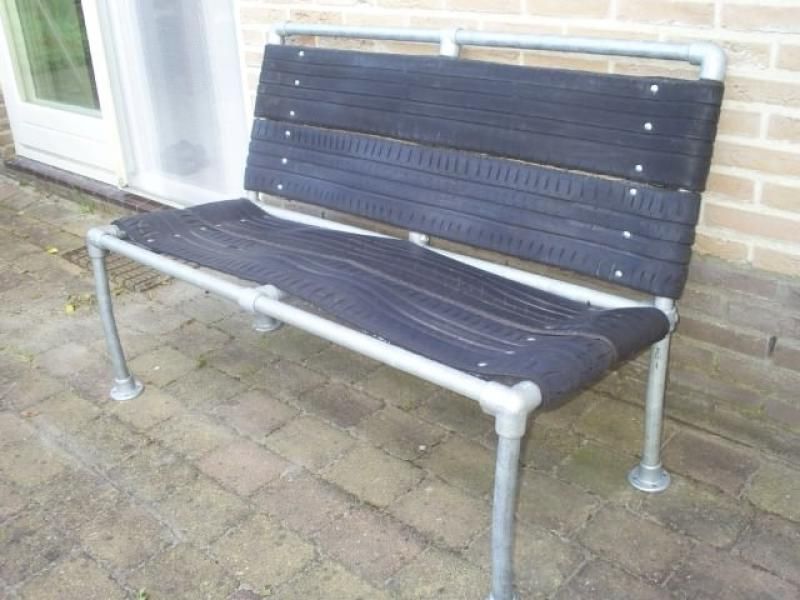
(63,138)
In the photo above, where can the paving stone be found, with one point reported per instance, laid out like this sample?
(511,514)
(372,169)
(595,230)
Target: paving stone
(262,553)
(151,408)
(564,416)
(442,512)
(439,574)
(152,320)
(400,434)
(617,424)
(77,577)
(28,464)
(302,502)
(702,513)
(14,430)
(254,413)
(776,489)
(294,344)
(773,544)
(195,339)
(464,464)
(239,360)
(201,511)
(64,360)
(183,572)
(175,293)
(545,447)
(345,406)
(340,364)
(397,388)
(106,442)
(309,442)
(76,497)
(204,389)
(329,581)
(370,544)
(373,475)
(192,435)
(599,579)
(124,536)
(243,466)
(711,460)
(709,573)
(599,470)
(11,501)
(553,504)
(543,561)
(642,547)
(459,414)
(62,413)
(207,308)
(285,380)
(154,473)
(161,366)
(28,543)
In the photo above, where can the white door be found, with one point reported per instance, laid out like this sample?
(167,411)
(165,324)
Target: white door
(177,81)
(52,65)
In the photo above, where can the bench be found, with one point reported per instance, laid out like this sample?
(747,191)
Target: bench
(596,174)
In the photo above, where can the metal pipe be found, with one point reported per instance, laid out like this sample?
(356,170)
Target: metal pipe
(649,475)
(253,299)
(709,56)
(506,478)
(562,288)
(125,386)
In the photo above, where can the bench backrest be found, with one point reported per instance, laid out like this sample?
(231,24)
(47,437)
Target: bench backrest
(435,145)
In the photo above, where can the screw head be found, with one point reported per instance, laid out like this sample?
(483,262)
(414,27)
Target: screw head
(301,53)
(287,133)
(639,168)
(297,82)
(633,191)
(654,88)
(617,273)
(284,161)
(648,126)
(291,113)
(626,235)
(280,186)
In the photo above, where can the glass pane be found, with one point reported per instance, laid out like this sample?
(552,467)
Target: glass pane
(52,52)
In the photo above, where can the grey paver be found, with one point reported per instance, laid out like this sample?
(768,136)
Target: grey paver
(74,578)
(243,466)
(599,579)
(396,388)
(286,380)
(709,573)
(309,442)
(463,463)
(370,544)
(699,512)
(314,502)
(28,463)
(600,470)
(161,365)
(192,435)
(710,459)
(254,413)
(399,433)
(373,475)
(776,488)
(339,404)
(438,574)
(262,553)
(29,543)
(184,573)
(553,504)
(205,388)
(640,546)
(773,544)
(442,512)
(543,560)
(329,581)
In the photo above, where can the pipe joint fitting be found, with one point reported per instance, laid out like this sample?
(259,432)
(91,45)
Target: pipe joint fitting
(510,406)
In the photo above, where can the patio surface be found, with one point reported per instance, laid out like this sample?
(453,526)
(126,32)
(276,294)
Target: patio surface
(279,466)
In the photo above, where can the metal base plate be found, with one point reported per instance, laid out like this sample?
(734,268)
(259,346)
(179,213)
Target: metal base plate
(649,479)
(263,324)
(126,389)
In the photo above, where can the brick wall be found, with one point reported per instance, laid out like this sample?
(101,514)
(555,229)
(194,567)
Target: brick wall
(738,350)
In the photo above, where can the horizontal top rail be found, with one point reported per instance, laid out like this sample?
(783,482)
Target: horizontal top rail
(709,56)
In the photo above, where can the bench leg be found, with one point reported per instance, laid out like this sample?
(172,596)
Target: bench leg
(125,386)
(506,482)
(649,475)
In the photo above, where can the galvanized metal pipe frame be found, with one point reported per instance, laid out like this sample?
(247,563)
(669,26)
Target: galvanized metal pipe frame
(708,56)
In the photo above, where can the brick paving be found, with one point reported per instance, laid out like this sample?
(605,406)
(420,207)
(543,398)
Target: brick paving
(278,466)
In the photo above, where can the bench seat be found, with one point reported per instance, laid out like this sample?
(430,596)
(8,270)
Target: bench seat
(408,295)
